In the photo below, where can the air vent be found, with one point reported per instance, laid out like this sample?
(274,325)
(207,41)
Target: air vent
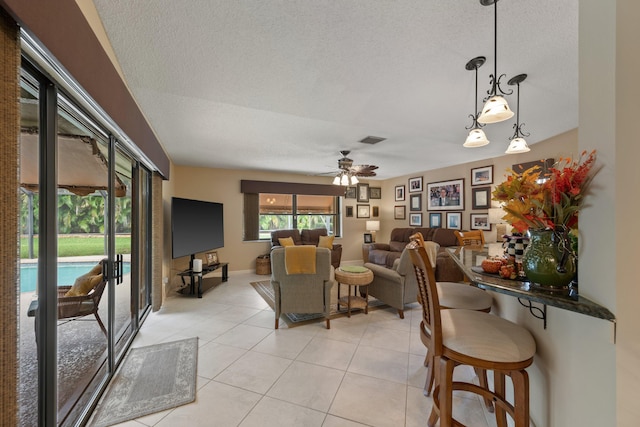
(372,140)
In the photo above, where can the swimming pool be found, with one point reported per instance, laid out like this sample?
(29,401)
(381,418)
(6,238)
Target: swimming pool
(67,273)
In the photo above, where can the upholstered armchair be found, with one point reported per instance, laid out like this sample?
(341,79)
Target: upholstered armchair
(302,292)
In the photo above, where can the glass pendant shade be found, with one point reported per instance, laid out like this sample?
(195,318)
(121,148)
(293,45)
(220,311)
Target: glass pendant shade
(336,180)
(476,138)
(354,180)
(517,145)
(344,181)
(495,110)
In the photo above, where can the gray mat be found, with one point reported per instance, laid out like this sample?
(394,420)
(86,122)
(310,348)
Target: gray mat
(151,379)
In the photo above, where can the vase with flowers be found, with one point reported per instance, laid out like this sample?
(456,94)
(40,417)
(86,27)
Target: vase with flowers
(546,207)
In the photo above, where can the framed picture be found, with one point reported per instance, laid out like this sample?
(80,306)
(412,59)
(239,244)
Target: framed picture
(454,220)
(368,238)
(375,212)
(399,212)
(435,220)
(399,193)
(446,195)
(363,192)
(350,193)
(349,212)
(415,184)
(481,197)
(415,219)
(364,211)
(483,175)
(211,258)
(480,222)
(375,193)
(415,202)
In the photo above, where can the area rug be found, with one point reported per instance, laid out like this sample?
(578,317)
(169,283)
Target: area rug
(150,379)
(265,290)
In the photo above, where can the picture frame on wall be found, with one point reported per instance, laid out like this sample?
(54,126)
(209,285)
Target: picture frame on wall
(415,202)
(364,211)
(350,193)
(415,184)
(482,175)
(363,192)
(480,222)
(399,212)
(454,220)
(481,197)
(435,220)
(349,212)
(375,193)
(399,193)
(415,219)
(446,195)
(375,211)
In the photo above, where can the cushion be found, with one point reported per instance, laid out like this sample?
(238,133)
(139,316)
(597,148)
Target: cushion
(286,241)
(326,242)
(83,285)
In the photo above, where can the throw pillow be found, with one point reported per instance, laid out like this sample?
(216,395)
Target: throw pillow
(83,285)
(286,241)
(326,242)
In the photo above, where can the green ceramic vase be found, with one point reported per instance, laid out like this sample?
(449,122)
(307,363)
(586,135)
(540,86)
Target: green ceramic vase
(546,263)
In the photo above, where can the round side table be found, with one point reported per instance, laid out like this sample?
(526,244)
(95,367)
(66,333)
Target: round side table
(356,277)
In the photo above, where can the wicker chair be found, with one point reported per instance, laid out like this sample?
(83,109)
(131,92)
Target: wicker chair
(302,293)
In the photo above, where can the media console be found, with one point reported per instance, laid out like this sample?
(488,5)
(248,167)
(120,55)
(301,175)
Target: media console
(197,277)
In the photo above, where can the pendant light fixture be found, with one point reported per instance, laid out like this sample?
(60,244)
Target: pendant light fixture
(518,143)
(476,137)
(496,109)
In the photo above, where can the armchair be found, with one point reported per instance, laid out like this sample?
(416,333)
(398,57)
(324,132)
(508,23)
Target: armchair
(302,293)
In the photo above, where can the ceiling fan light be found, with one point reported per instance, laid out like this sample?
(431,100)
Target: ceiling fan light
(517,145)
(354,180)
(495,110)
(344,181)
(336,180)
(476,138)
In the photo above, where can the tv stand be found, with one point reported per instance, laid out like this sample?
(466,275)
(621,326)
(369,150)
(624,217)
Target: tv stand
(197,277)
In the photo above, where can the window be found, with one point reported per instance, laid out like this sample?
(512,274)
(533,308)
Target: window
(286,211)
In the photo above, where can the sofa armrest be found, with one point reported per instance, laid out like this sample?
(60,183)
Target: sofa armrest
(383,272)
(366,247)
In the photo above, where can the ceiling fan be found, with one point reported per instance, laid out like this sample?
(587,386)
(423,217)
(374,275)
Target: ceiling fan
(346,164)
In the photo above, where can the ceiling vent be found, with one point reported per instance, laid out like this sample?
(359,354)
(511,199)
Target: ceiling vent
(372,140)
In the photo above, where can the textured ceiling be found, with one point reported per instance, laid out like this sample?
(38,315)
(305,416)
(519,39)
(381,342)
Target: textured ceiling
(285,85)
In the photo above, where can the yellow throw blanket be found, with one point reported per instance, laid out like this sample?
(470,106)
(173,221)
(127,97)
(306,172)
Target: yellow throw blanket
(300,259)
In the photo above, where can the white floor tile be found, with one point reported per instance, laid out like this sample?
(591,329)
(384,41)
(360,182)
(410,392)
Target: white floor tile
(276,413)
(380,363)
(254,371)
(328,352)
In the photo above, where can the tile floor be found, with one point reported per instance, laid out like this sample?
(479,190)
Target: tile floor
(365,371)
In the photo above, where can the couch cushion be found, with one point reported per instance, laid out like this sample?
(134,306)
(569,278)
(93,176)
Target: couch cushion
(382,257)
(326,242)
(294,234)
(286,241)
(397,246)
(444,237)
(311,237)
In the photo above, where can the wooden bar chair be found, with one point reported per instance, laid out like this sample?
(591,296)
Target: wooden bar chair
(470,238)
(477,339)
(451,295)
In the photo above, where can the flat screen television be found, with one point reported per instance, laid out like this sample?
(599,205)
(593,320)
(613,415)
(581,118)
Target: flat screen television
(196,226)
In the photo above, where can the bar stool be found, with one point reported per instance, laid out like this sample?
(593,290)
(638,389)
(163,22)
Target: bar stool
(477,339)
(451,295)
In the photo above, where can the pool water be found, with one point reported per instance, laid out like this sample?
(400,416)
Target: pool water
(67,273)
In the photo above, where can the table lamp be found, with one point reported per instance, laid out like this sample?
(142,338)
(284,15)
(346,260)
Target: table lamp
(495,217)
(373,226)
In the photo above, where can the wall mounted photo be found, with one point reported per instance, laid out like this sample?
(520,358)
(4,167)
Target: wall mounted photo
(399,193)
(375,193)
(364,211)
(375,211)
(454,220)
(399,212)
(415,219)
(480,222)
(349,212)
(481,197)
(350,193)
(483,175)
(445,195)
(415,202)
(363,192)
(435,220)
(415,184)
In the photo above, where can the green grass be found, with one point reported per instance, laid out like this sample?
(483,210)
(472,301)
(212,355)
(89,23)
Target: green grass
(78,245)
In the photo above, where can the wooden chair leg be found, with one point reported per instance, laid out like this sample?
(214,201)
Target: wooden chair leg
(328,324)
(446,392)
(521,398)
(484,383)
(428,384)
(401,313)
(101,324)
(499,386)
(277,322)
(435,410)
